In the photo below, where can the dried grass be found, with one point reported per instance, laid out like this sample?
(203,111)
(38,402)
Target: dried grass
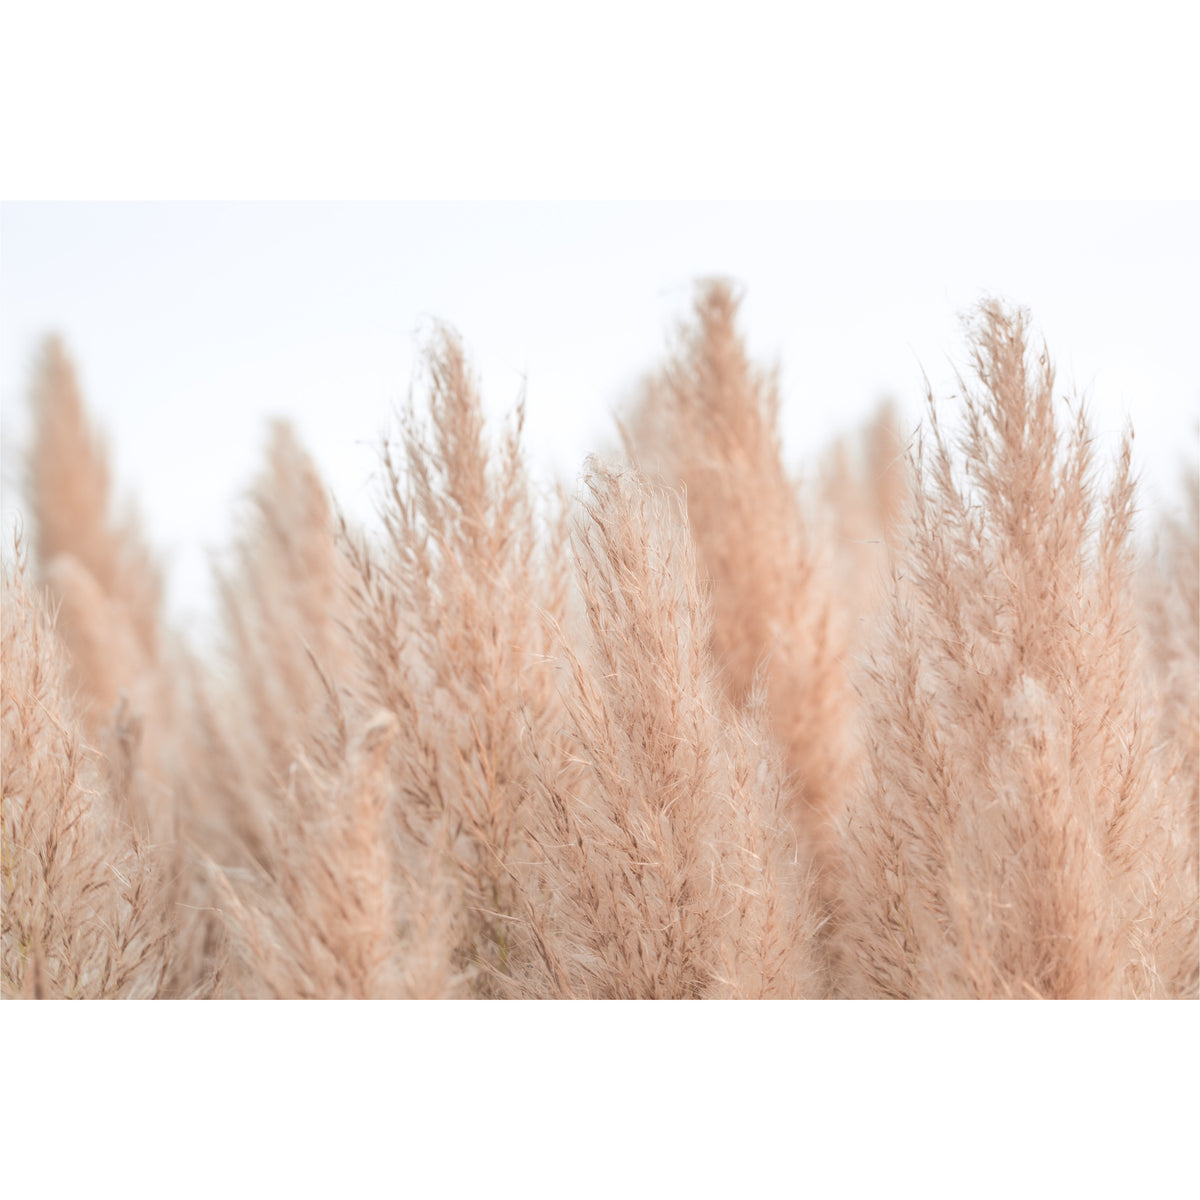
(922,723)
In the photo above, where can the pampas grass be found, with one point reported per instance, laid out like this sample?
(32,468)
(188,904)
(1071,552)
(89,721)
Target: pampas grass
(84,894)
(918,721)
(708,425)
(661,838)
(1019,832)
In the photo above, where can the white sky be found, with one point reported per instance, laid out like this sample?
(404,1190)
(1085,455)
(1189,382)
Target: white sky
(191,325)
(554,187)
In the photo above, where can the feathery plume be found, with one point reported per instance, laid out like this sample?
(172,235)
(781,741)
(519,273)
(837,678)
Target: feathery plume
(1010,837)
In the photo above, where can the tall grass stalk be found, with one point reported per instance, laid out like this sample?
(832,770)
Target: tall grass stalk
(921,720)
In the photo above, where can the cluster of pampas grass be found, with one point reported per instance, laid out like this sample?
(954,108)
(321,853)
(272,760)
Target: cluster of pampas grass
(922,723)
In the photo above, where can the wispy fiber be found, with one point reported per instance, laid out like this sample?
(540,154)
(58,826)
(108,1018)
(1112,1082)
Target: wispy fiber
(662,838)
(1014,836)
(910,724)
(83,894)
(708,424)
